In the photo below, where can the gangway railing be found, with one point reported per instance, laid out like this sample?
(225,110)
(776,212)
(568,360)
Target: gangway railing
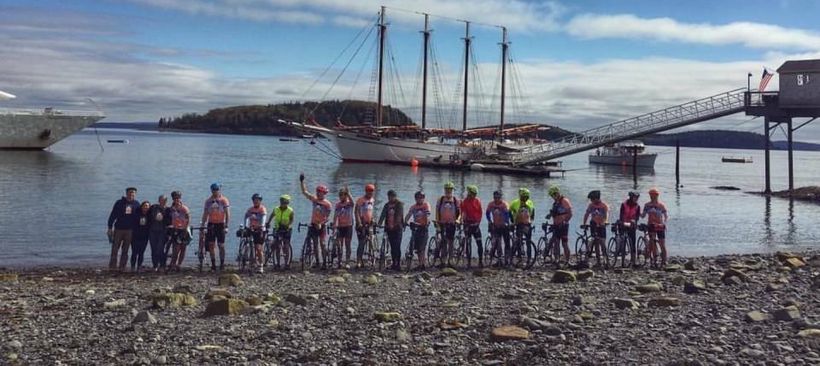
(700,110)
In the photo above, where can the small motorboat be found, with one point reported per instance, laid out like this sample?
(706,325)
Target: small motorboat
(117,141)
(288,140)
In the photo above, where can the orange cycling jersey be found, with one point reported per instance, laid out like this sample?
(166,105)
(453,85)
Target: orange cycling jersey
(180,216)
(344,213)
(655,212)
(321,212)
(217,209)
(365,209)
(255,216)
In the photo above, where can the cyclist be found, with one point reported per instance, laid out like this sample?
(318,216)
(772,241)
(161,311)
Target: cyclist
(561,212)
(343,221)
(629,215)
(318,219)
(363,210)
(282,217)
(656,217)
(216,215)
(180,237)
(448,213)
(391,218)
(420,212)
(471,216)
(498,220)
(254,219)
(158,233)
(598,211)
(522,210)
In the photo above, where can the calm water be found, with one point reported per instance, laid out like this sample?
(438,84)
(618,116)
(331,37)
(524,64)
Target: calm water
(54,204)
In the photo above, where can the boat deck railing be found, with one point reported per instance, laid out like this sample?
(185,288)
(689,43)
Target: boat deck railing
(51,112)
(665,119)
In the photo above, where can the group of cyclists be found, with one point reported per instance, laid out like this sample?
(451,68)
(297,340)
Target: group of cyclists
(265,240)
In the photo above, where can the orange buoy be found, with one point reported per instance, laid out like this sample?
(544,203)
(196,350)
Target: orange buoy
(414,163)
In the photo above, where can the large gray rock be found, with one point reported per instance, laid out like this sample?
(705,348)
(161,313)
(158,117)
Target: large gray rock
(562,276)
(625,303)
(786,314)
(225,307)
(144,317)
(694,287)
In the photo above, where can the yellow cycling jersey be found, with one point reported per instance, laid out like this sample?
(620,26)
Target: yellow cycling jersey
(282,218)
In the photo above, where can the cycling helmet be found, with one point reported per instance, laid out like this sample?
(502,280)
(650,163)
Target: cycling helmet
(419,194)
(594,195)
(284,197)
(176,194)
(498,194)
(473,189)
(524,192)
(369,188)
(449,185)
(391,193)
(216,186)
(344,191)
(322,189)
(256,196)
(553,191)
(634,194)
(654,192)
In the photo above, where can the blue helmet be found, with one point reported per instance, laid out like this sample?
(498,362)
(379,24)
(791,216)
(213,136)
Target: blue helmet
(215,186)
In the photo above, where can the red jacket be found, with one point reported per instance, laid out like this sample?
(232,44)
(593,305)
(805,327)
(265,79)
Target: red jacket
(471,211)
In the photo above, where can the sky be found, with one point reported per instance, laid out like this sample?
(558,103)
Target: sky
(575,64)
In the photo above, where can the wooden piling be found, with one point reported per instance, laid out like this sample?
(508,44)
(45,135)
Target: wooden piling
(677,163)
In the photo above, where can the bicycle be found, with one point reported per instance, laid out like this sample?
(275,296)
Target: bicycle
(270,238)
(548,248)
(369,252)
(200,252)
(647,248)
(336,250)
(493,249)
(408,256)
(307,248)
(459,246)
(246,253)
(384,247)
(280,249)
(520,249)
(619,243)
(587,244)
(434,247)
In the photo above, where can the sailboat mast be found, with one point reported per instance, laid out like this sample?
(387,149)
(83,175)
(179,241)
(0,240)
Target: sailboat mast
(424,72)
(382,31)
(467,40)
(504,46)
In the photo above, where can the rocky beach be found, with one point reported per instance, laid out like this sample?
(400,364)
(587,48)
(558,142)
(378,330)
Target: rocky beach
(731,309)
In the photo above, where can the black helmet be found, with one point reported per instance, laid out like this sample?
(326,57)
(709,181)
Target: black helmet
(176,194)
(256,196)
(634,194)
(594,195)
(419,194)
(391,193)
(498,194)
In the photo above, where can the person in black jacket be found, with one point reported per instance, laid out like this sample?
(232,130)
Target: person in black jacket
(392,218)
(122,220)
(160,219)
(140,237)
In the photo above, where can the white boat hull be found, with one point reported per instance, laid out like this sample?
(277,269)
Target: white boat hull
(367,149)
(643,161)
(37,131)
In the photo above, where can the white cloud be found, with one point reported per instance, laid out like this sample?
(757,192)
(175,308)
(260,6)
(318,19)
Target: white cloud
(752,35)
(522,16)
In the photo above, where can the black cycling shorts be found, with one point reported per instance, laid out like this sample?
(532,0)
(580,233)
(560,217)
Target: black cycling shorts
(449,231)
(597,231)
(344,232)
(314,232)
(216,232)
(659,230)
(561,230)
(283,234)
(258,237)
(180,237)
(472,230)
(419,238)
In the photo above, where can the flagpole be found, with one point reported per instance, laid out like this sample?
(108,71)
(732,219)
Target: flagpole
(749,82)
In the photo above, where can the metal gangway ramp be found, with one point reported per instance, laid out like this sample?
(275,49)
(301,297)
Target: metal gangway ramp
(700,110)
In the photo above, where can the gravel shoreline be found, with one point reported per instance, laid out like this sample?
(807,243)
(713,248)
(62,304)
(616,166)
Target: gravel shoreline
(731,309)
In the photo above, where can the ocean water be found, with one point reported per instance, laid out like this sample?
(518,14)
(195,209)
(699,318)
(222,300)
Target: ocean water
(54,204)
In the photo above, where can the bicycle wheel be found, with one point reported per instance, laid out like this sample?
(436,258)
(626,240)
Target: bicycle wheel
(459,250)
(582,250)
(382,254)
(268,253)
(370,252)
(408,256)
(307,254)
(641,257)
(432,251)
(541,252)
(289,258)
(488,249)
(612,249)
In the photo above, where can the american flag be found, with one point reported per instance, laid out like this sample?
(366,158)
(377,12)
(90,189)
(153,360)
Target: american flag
(765,79)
